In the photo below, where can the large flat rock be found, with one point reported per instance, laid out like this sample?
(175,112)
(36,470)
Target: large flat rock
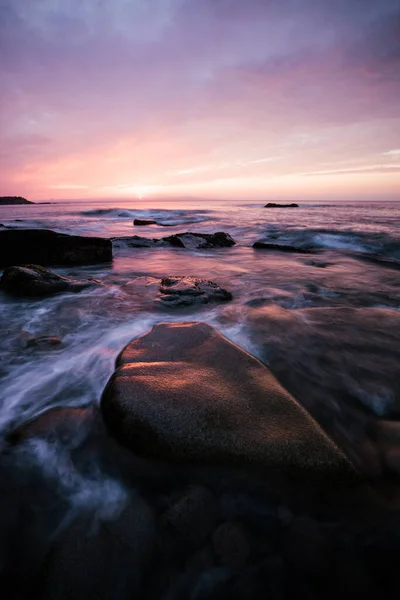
(46,247)
(184,393)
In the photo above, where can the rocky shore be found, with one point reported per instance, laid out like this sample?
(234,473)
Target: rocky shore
(203,473)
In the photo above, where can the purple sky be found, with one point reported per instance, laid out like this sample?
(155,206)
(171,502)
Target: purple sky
(208,98)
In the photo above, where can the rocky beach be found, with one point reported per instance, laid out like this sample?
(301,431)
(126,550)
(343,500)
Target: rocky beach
(212,413)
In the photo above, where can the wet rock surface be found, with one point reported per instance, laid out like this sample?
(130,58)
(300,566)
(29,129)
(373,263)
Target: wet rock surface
(186,291)
(34,280)
(353,398)
(172,292)
(46,247)
(191,241)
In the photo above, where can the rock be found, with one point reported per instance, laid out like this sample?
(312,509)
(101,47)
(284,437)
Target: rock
(140,222)
(200,240)
(33,280)
(280,247)
(306,546)
(191,515)
(231,543)
(44,342)
(191,241)
(178,291)
(102,560)
(344,366)
(46,247)
(14,200)
(184,393)
(274,205)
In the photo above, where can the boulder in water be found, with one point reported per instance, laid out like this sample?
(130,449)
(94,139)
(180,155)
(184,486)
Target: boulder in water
(183,393)
(46,247)
(191,241)
(33,280)
(178,291)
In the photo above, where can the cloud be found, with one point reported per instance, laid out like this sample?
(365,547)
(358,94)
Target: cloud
(133,89)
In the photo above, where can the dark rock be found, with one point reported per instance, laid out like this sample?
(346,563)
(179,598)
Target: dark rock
(231,543)
(140,222)
(178,291)
(137,241)
(190,240)
(14,200)
(191,516)
(46,247)
(100,560)
(184,393)
(274,205)
(44,342)
(306,545)
(281,248)
(344,367)
(33,280)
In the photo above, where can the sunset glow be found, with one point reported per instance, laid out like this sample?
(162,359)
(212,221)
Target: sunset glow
(214,99)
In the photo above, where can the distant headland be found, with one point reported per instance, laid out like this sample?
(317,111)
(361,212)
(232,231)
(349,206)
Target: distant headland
(14,200)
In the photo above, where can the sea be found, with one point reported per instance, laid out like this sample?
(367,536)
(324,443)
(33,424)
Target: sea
(327,323)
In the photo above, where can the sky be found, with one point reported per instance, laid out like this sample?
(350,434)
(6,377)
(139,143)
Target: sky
(235,99)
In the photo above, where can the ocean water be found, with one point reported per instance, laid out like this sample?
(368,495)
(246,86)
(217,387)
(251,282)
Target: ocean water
(327,323)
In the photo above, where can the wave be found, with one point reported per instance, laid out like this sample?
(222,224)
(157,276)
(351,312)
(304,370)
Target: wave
(374,243)
(163,216)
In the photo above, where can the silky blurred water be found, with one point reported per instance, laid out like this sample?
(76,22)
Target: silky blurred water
(355,265)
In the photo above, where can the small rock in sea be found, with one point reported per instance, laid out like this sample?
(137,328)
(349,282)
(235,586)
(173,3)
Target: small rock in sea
(34,280)
(231,543)
(192,241)
(44,341)
(281,248)
(274,205)
(192,515)
(140,222)
(186,291)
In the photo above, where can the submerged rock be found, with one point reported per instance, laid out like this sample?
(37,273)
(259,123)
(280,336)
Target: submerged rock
(275,205)
(280,247)
(191,241)
(46,247)
(33,280)
(177,291)
(184,393)
(44,342)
